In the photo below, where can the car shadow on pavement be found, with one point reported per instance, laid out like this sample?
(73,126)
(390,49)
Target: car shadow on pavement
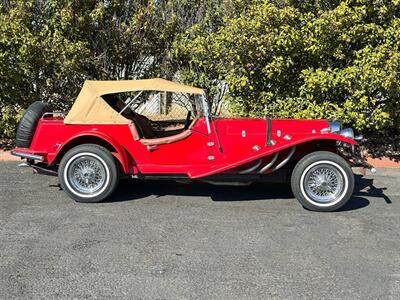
(365,187)
(135,189)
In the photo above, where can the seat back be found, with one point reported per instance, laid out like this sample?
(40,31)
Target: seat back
(144,126)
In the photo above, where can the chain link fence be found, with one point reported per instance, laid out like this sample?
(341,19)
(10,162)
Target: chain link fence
(166,106)
(168,111)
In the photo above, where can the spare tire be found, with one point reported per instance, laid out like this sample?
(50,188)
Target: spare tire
(27,126)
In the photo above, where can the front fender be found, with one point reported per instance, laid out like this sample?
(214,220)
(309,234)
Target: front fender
(268,150)
(329,136)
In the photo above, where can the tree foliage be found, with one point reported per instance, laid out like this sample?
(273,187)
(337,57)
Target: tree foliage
(334,59)
(311,59)
(49,47)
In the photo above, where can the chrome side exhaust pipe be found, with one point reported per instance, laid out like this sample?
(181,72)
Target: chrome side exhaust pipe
(39,169)
(269,165)
(285,161)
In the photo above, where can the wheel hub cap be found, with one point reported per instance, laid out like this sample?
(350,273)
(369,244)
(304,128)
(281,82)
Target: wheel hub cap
(323,183)
(87,174)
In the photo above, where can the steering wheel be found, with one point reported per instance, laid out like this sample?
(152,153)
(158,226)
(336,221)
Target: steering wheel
(187,121)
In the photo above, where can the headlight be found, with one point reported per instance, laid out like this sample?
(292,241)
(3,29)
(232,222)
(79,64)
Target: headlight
(347,132)
(335,126)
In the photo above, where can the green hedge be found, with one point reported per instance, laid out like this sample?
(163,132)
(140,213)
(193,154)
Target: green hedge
(284,58)
(290,59)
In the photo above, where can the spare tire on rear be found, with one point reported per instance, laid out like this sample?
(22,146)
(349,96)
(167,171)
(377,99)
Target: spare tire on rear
(27,126)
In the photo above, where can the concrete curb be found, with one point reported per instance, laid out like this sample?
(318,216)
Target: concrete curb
(383,162)
(6,156)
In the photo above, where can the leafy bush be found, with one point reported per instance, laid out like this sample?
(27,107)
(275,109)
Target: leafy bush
(9,119)
(292,59)
(49,47)
(337,59)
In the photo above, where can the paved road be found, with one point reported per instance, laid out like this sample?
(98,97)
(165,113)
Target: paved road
(174,241)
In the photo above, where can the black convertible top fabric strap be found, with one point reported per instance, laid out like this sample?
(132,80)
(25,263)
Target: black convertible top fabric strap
(269,130)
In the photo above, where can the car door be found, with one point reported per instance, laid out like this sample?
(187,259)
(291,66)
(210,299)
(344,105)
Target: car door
(182,156)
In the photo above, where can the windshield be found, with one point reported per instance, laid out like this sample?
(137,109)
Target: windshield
(160,105)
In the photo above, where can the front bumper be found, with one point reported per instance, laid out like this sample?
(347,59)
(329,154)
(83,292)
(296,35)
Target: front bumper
(355,155)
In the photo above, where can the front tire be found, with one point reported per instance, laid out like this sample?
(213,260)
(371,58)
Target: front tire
(322,181)
(88,173)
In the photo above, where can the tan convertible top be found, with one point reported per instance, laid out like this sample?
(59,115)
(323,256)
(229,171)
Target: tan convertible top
(90,107)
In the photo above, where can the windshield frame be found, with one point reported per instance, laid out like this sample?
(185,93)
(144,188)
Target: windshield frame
(206,111)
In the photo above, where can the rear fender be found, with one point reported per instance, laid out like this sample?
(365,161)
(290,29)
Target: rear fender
(87,137)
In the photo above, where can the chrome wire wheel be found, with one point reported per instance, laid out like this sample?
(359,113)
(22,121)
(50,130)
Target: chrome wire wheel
(324,183)
(87,174)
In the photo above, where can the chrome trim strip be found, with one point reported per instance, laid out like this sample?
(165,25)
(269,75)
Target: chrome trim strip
(325,130)
(27,155)
(56,113)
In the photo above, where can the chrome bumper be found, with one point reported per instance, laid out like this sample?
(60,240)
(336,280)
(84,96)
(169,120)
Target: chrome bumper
(27,155)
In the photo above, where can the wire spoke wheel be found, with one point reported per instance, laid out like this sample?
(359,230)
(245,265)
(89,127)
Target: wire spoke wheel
(324,183)
(87,174)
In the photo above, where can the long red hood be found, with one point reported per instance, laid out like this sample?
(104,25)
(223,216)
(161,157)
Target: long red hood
(254,126)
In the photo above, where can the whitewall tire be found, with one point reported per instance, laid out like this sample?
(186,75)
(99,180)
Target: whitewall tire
(88,173)
(322,181)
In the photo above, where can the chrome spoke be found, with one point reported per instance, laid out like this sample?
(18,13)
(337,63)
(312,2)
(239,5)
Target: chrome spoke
(87,174)
(324,183)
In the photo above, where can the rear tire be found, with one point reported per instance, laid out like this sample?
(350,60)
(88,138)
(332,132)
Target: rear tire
(88,173)
(322,181)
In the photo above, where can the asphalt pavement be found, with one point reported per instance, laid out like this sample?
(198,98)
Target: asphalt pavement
(163,240)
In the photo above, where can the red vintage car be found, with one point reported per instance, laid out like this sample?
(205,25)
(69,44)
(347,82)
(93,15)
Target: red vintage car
(103,138)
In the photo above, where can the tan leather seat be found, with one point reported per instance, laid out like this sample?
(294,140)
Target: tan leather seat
(166,140)
(142,129)
(145,127)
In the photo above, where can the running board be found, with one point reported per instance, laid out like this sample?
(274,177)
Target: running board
(159,176)
(221,178)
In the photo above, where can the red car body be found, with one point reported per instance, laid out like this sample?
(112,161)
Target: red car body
(242,141)
(102,138)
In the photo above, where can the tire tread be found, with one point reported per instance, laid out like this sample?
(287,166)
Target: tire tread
(27,126)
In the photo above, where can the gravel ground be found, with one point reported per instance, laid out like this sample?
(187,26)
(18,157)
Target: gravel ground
(173,241)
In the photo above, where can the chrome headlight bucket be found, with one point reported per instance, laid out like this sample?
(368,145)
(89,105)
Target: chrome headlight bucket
(347,132)
(335,126)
